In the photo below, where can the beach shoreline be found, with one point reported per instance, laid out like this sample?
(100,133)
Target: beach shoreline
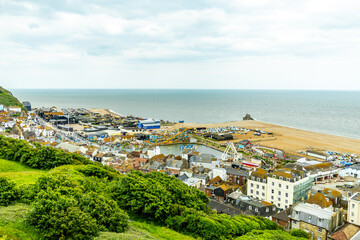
(290,139)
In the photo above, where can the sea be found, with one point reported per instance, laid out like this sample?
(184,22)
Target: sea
(332,112)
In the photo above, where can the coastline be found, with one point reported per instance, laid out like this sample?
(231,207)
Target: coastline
(287,138)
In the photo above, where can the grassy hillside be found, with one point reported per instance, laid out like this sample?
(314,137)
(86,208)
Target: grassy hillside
(18,172)
(12,226)
(7,99)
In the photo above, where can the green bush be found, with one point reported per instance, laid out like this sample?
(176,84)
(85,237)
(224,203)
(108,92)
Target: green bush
(8,192)
(57,216)
(105,211)
(299,233)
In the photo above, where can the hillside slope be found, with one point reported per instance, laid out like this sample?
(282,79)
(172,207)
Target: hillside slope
(7,98)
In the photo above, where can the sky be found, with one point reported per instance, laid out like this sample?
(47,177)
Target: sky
(212,44)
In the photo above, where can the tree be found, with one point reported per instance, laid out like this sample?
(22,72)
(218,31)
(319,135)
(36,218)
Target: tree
(299,233)
(8,193)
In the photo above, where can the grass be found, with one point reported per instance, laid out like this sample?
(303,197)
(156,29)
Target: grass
(12,223)
(19,173)
(7,99)
(141,230)
(13,226)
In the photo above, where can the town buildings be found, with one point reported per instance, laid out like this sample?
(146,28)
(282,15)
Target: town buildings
(281,187)
(354,209)
(317,221)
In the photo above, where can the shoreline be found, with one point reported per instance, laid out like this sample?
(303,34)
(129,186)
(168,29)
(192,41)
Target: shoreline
(288,138)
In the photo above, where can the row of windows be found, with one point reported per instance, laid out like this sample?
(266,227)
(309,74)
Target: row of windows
(279,193)
(273,184)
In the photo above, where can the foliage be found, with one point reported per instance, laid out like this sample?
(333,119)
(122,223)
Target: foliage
(268,235)
(299,233)
(7,99)
(37,156)
(8,193)
(58,217)
(154,195)
(66,194)
(168,201)
(107,213)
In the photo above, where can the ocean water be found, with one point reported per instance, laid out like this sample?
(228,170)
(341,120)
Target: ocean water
(332,112)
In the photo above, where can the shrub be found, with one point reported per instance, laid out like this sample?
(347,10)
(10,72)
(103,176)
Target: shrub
(8,193)
(299,233)
(58,217)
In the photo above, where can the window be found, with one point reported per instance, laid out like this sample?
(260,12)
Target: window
(256,210)
(264,180)
(309,218)
(263,194)
(272,197)
(286,201)
(273,183)
(320,220)
(319,230)
(294,222)
(258,179)
(272,191)
(250,207)
(252,185)
(279,193)
(252,178)
(251,191)
(278,204)
(257,192)
(288,179)
(281,178)
(352,214)
(267,210)
(286,195)
(296,212)
(263,187)
(257,186)
(286,206)
(353,205)
(279,185)
(287,186)
(279,199)
(274,208)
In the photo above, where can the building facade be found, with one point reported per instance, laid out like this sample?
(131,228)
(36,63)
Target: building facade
(354,209)
(282,188)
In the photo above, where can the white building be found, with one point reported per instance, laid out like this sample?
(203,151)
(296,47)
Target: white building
(354,209)
(282,188)
(14,109)
(353,170)
(221,172)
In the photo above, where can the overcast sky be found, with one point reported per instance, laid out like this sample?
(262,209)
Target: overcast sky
(245,44)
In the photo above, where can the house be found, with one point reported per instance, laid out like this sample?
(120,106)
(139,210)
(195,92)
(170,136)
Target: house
(222,208)
(251,206)
(354,209)
(282,218)
(216,181)
(353,170)
(98,157)
(221,192)
(174,166)
(202,177)
(193,182)
(209,191)
(219,172)
(14,109)
(282,187)
(149,124)
(317,221)
(236,177)
(205,160)
(346,232)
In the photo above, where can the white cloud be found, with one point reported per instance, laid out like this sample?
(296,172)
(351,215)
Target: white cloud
(265,41)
